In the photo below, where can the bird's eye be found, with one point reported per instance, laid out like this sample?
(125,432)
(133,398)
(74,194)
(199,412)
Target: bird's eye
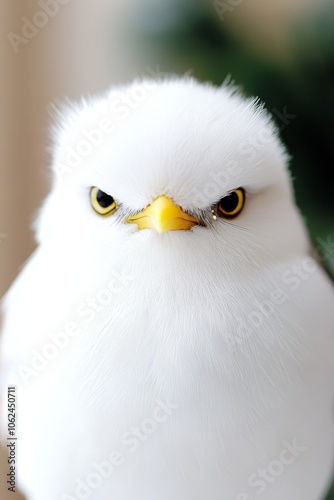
(102,203)
(231,205)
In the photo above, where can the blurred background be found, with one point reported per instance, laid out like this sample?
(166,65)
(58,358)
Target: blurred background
(279,50)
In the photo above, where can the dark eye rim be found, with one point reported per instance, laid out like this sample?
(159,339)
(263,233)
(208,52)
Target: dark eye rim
(238,209)
(103,211)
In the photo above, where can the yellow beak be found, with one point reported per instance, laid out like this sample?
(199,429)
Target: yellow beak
(163,215)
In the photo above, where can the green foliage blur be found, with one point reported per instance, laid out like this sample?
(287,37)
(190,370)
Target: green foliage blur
(298,89)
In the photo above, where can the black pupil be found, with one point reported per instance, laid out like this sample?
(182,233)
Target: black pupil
(104,200)
(230,202)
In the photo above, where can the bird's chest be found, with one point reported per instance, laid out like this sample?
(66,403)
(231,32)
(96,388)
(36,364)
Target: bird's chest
(152,377)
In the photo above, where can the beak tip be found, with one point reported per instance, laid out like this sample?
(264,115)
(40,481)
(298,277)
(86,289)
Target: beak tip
(163,215)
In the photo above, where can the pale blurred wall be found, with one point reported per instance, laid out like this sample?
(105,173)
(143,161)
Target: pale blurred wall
(74,54)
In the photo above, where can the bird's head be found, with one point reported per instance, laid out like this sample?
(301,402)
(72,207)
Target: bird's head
(171,168)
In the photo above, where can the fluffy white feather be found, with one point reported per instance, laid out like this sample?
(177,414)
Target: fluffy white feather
(178,325)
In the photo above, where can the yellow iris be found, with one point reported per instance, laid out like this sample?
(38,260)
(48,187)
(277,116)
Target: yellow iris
(102,203)
(230,206)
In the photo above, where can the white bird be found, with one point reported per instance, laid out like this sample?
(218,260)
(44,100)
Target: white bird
(171,338)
